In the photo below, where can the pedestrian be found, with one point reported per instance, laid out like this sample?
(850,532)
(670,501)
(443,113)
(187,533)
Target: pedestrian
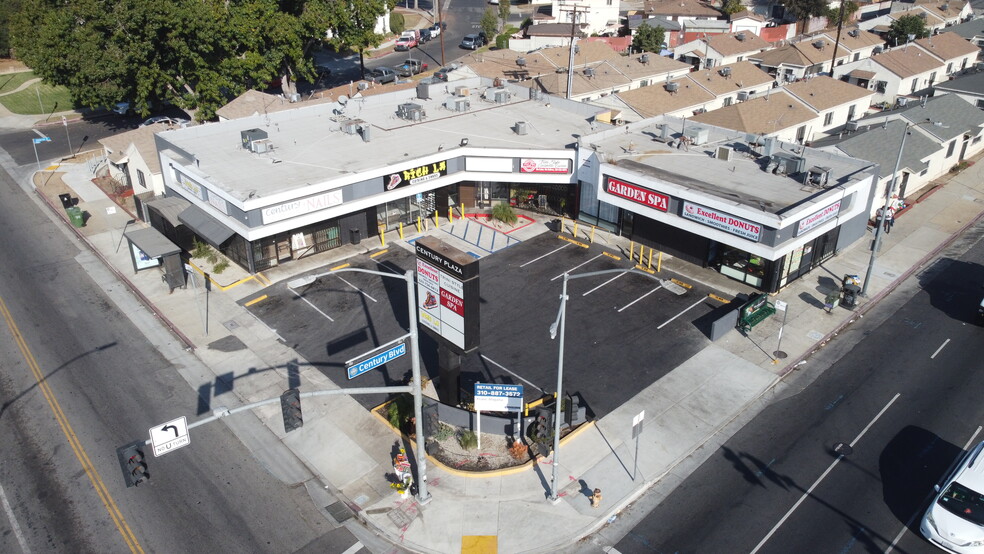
(889,220)
(596,498)
(878,218)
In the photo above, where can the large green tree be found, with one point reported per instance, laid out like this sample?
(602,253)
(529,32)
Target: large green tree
(353,24)
(196,54)
(648,39)
(845,10)
(504,9)
(805,9)
(901,28)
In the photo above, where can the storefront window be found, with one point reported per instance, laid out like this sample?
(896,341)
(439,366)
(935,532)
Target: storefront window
(742,266)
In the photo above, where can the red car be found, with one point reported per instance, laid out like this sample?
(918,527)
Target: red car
(405,42)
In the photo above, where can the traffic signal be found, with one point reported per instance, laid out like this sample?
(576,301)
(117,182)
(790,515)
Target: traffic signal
(290,405)
(132,463)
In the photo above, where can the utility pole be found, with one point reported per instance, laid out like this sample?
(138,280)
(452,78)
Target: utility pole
(570,65)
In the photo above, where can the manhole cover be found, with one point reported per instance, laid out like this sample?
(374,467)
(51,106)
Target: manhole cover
(399,518)
(230,325)
(339,511)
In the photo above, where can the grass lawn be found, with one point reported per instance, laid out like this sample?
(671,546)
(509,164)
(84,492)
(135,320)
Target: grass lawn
(11,81)
(25,102)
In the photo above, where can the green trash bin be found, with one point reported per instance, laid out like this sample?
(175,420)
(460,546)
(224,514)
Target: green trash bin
(75,216)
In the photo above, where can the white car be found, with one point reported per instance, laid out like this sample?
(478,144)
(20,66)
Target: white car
(955,519)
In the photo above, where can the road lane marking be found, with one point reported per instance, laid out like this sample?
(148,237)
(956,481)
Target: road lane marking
(640,298)
(503,368)
(545,255)
(73,439)
(940,348)
(356,288)
(354,548)
(692,306)
(823,475)
(605,283)
(924,505)
(312,305)
(255,300)
(13,522)
(577,266)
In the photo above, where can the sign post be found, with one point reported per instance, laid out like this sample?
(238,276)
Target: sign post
(636,431)
(779,354)
(36,142)
(496,398)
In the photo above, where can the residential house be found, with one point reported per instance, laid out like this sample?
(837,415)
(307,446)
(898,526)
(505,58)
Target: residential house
(132,159)
(858,43)
(593,16)
(748,21)
(776,114)
(673,35)
(837,102)
(882,24)
(713,51)
(907,70)
(546,35)
(969,86)
(681,10)
(951,12)
(972,31)
(952,49)
(799,60)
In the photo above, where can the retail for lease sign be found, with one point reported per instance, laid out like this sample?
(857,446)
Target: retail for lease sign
(818,218)
(721,220)
(543,165)
(637,194)
(447,293)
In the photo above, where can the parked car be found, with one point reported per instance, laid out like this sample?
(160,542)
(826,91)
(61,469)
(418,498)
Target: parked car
(442,74)
(955,519)
(169,121)
(407,40)
(435,29)
(473,41)
(411,67)
(123,108)
(425,35)
(382,75)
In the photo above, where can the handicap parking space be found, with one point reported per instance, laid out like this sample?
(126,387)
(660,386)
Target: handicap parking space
(624,331)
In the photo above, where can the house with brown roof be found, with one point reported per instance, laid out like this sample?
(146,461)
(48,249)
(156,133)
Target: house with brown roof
(681,10)
(547,34)
(133,161)
(904,71)
(835,101)
(723,49)
(952,49)
(857,42)
(800,60)
(776,114)
(882,23)
(747,21)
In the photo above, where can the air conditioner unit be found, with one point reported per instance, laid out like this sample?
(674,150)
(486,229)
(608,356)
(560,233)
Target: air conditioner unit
(787,164)
(410,111)
(740,36)
(250,135)
(501,96)
(457,104)
(901,101)
(363,85)
(742,95)
(818,176)
(698,135)
(521,62)
(262,146)
(644,58)
(854,33)
(560,70)
(520,127)
(364,130)
(535,93)
(725,71)
(724,153)
(672,86)
(589,72)
(350,127)
(819,44)
(852,126)
(461,91)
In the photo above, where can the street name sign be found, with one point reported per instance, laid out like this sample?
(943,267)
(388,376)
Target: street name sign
(371,363)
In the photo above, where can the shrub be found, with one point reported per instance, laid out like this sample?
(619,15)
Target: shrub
(399,411)
(959,167)
(504,213)
(519,451)
(200,250)
(397,23)
(468,440)
(220,267)
(443,432)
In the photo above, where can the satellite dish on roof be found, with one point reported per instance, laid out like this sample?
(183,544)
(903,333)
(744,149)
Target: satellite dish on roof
(343,99)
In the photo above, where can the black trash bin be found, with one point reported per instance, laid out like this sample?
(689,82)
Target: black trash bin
(354,236)
(850,297)
(66,200)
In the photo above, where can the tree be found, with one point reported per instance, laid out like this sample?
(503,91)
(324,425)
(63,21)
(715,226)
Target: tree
(805,9)
(834,14)
(354,24)
(504,12)
(901,28)
(732,7)
(489,23)
(7,10)
(649,39)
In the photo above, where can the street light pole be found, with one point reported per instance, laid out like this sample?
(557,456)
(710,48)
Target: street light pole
(880,224)
(560,322)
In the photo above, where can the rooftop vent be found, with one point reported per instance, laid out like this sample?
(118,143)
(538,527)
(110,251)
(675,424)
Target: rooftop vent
(644,58)
(521,62)
(250,135)
(672,86)
(819,44)
(854,33)
(740,36)
(589,72)
(410,111)
(520,127)
(725,71)
(461,91)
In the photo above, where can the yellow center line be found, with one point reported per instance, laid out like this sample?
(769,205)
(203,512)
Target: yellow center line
(73,439)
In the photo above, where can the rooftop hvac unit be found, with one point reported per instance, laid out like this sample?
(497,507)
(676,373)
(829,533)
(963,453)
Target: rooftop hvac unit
(520,127)
(423,90)
(501,96)
(261,146)
(560,70)
(672,86)
(854,33)
(769,146)
(410,111)
(350,127)
(457,104)
(644,58)
(819,44)
(363,85)
(365,130)
(294,98)
(535,93)
(725,71)
(249,135)
(461,91)
(664,132)
(589,72)
(740,36)
(877,50)
(742,95)
(852,126)
(521,62)
(901,101)
(787,164)
(724,153)
(698,135)
(818,176)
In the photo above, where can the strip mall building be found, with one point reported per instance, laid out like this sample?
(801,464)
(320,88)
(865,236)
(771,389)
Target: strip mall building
(269,189)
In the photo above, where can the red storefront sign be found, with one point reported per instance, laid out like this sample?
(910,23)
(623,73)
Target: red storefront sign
(638,194)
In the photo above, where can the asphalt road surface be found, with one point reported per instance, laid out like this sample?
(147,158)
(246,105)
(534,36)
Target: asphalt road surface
(848,464)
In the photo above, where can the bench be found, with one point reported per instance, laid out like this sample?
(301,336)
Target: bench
(755,311)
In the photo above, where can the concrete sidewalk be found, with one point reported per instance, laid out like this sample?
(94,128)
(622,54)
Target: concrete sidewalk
(508,511)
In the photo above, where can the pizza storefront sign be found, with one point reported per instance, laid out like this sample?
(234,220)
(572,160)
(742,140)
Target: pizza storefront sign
(415,175)
(723,221)
(637,194)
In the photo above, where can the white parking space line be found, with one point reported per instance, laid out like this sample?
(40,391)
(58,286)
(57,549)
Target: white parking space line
(823,476)
(386,267)
(364,293)
(947,341)
(640,298)
(354,548)
(929,498)
(13,522)
(605,283)
(577,266)
(503,368)
(692,306)
(545,255)
(312,305)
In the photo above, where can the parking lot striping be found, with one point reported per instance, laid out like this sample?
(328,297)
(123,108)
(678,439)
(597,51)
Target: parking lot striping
(572,241)
(640,298)
(641,267)
(255,300)
(929,497)
(354,548)
(692,306)
(940,348)
(575,267)
(503,368)
(343,266)
(297,294)
(823,475)
(605,283)
(612,256)
(364,293)
(682,284)
(545,255)
(387,268)
(380,253)
(719,298)
(13,522)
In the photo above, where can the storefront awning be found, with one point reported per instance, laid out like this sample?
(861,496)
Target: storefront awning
(151,242)
(170,207)
(205,226)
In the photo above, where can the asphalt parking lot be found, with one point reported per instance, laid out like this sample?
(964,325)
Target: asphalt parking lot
(624,331)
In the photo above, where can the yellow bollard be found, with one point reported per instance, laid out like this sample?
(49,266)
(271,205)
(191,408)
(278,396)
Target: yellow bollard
(382,236)
(650,263)
(574,234)
(420,228)
(401,230)
(450,214)
(592,233)
(631,250)
(563,223)
(437,220)
(659,262)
